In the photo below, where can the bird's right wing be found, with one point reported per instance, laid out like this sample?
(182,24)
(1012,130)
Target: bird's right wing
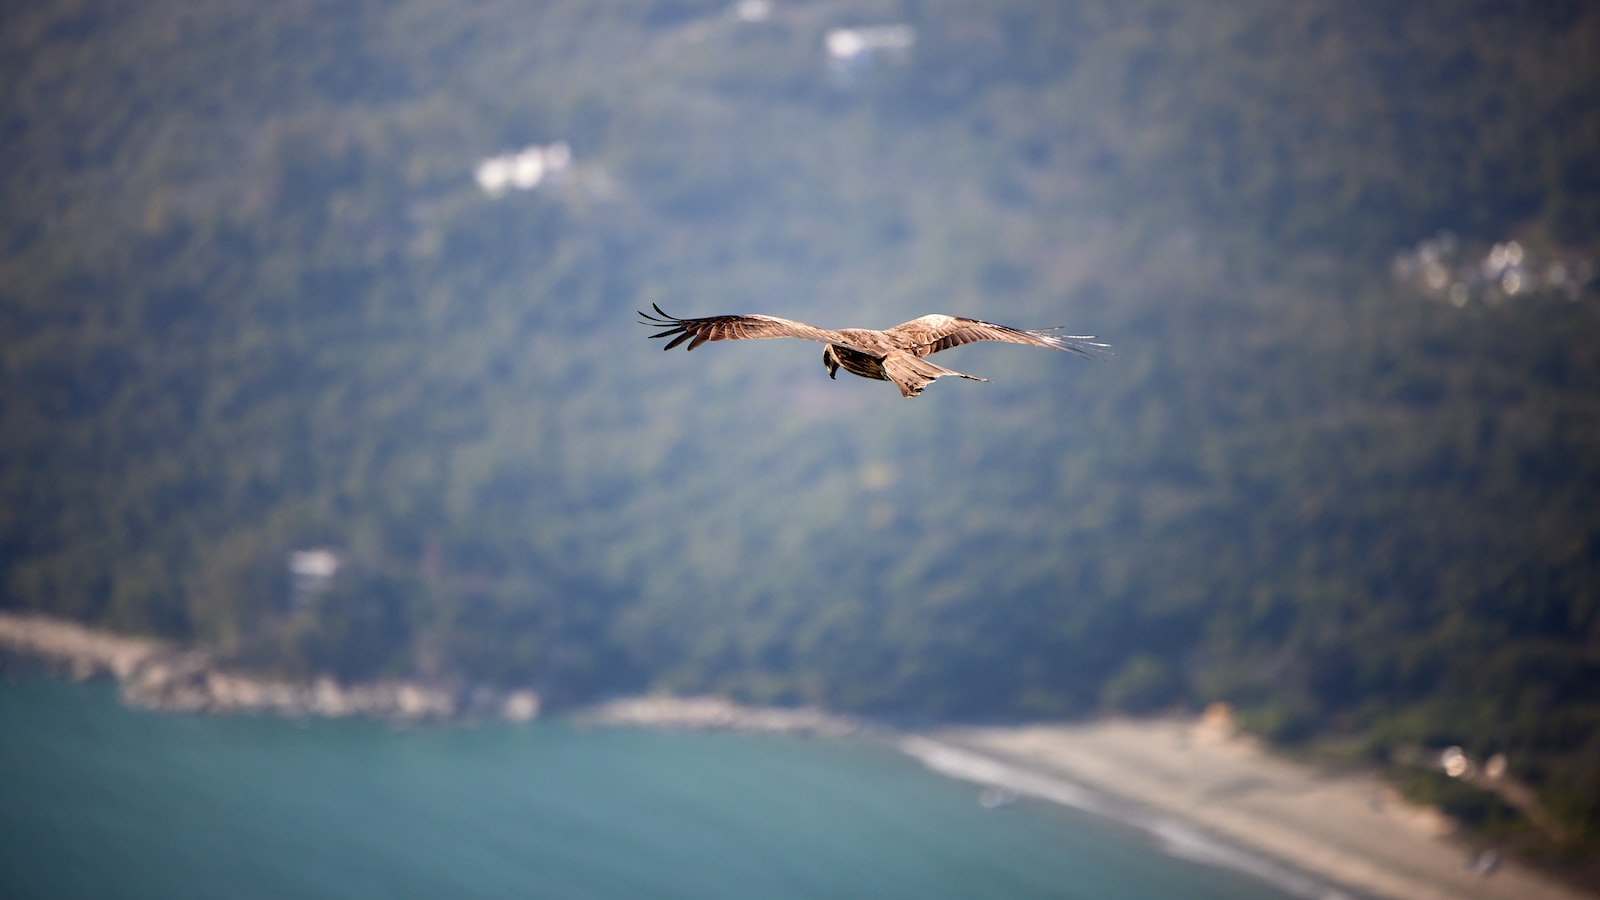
(734,328)
(934,333)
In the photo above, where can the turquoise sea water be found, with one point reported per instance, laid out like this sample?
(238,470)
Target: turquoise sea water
(97,800)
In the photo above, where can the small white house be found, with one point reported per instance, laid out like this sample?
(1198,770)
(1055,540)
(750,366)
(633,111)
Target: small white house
(311,571)
(852,50)
(523,170)
(751,10)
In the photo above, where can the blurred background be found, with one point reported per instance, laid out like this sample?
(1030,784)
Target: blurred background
(318,348)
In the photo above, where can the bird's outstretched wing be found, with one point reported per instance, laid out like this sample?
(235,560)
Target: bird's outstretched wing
(734,328)
(938,332)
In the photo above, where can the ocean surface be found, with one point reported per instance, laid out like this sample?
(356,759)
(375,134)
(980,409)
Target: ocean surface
(97,800)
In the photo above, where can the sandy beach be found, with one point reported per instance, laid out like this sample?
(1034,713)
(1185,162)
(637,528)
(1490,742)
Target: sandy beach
(1205,792)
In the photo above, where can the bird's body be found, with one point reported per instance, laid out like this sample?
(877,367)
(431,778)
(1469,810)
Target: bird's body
(894,354)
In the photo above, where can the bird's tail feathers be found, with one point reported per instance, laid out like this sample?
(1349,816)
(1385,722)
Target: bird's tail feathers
(913,373)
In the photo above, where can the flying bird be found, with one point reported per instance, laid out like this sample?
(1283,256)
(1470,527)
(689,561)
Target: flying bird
(895,354)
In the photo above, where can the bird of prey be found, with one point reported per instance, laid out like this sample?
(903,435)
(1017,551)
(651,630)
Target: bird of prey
(895,354)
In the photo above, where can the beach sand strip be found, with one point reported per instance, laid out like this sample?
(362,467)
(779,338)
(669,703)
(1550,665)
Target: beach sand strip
(1348,828)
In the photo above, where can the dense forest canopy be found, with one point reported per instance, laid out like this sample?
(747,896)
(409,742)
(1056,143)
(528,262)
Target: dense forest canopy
(252,301)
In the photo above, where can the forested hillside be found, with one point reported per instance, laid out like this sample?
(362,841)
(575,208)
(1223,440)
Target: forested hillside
(253,301)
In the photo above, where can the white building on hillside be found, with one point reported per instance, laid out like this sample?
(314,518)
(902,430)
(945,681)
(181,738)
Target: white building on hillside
(523,170)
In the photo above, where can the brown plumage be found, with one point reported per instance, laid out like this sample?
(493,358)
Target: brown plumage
(895,354)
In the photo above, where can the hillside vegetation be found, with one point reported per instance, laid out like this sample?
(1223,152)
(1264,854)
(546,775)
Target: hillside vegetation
(252,301)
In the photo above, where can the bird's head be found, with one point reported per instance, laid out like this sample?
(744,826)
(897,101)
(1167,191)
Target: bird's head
(831,360)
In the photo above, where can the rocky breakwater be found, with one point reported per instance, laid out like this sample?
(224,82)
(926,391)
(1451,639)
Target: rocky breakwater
(83,653)
(156,675)
(718,714)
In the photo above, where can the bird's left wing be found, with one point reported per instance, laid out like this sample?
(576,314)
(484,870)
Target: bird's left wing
(733,328)
(938,332)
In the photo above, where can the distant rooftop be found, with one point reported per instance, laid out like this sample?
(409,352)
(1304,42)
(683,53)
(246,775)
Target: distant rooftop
(752,10)
(1440,269)
(853,51)
(847,44)
(523,170)
(314,563)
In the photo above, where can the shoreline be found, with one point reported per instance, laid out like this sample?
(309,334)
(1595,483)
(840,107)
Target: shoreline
(1197,788)
(157,675)
(1170,834)
(709,713)
(1205,792)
